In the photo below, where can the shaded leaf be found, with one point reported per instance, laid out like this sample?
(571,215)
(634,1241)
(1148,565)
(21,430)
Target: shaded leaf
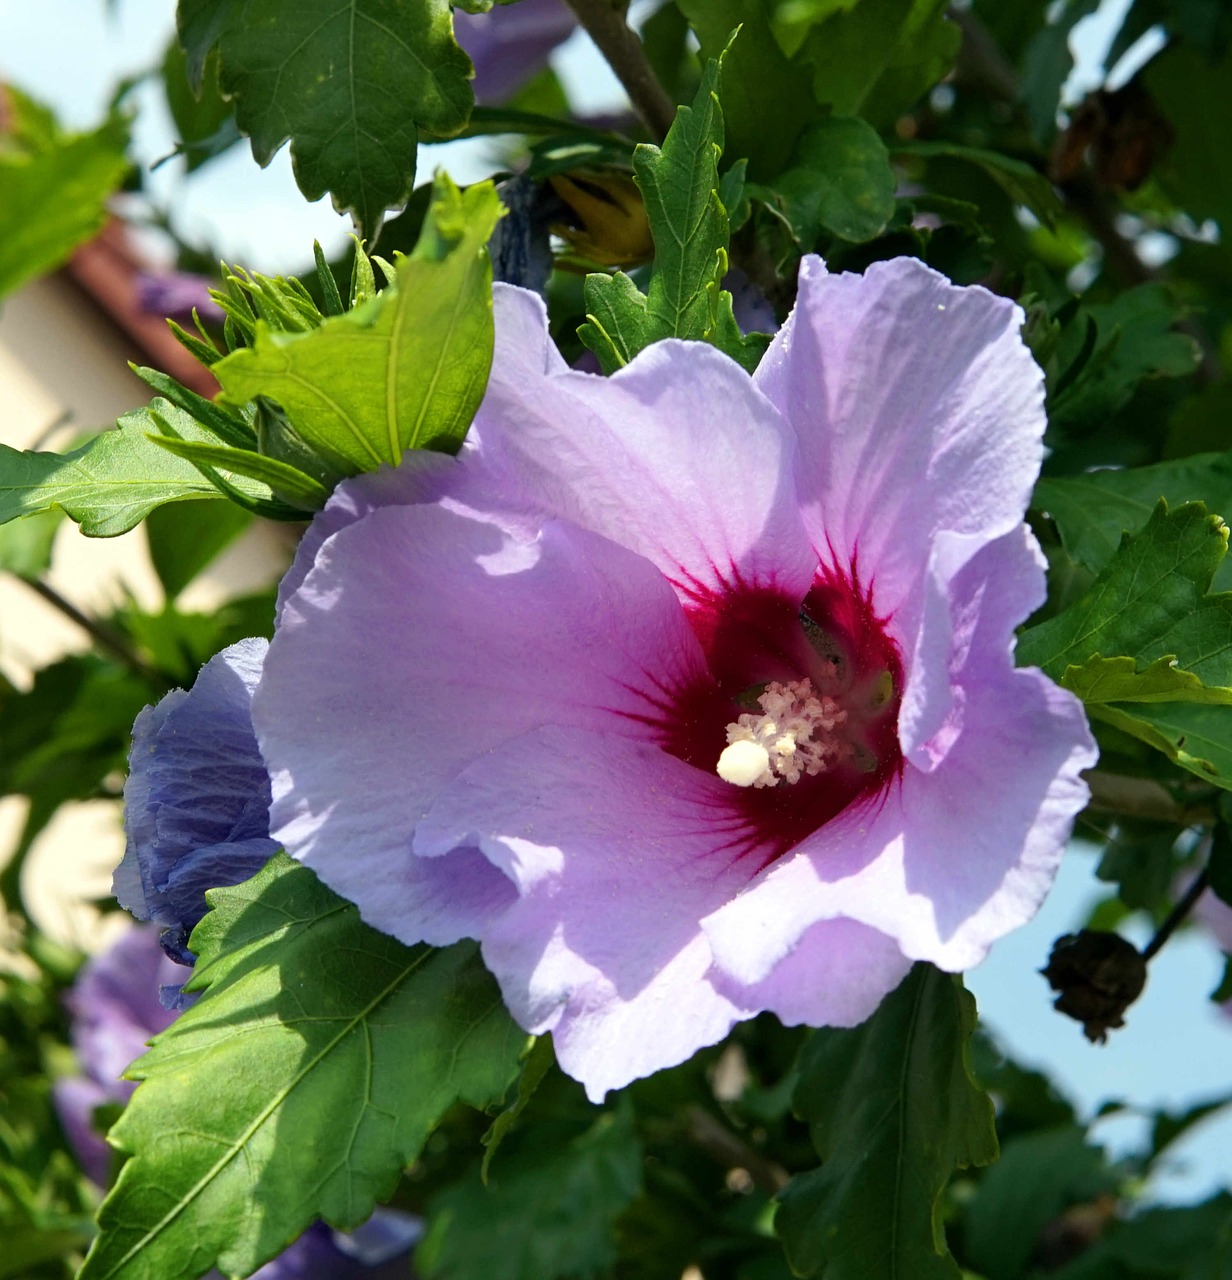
(875,59)
(1037,1176)
(767,98)
(1023,184)
(302,1001)
(893,1111)
(840,181)
(25,544)
(549,1209)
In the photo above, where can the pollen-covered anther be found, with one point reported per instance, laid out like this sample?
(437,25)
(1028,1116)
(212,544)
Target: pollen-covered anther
(796,735)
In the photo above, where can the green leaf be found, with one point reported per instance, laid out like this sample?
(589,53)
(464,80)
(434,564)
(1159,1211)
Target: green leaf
(285,482)
(840,181)
(1135,340)
(689,224)
(185,537)
(1140,861)
(53,186)
(1194,736)
(877,57)
(201,115)
(320,1057)
(1093,510)
(25,544)
(549,1209)
(404,370)
(893,1111)
(540,1058)
(615,328)
(350,84)
(1039,1175)
(680,185)
(112,482)
(767,98)
(1123,680)
(1194,93)
(1146,631)
(1023,184)
(1219,865)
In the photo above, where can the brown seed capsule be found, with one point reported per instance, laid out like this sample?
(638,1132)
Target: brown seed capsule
(1099,975)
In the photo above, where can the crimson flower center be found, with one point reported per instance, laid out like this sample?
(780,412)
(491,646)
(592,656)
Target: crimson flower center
(802,715)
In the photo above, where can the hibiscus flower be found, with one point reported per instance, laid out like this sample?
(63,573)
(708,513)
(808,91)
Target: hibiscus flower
(689,694)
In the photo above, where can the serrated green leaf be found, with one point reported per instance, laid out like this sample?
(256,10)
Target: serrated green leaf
(350,85)
(680,185)
(548,1211)
(1093,510)
(615,328)
(840,181)
(53,187)
(405,370)
(112,482)
(320,1057)
(1123,680)
(689,225)
(1150,604)
(893,1111)
(1198,738)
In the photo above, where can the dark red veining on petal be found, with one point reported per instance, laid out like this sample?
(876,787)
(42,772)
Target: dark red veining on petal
(751,636)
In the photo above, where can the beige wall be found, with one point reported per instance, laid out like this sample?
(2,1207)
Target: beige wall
(63,370)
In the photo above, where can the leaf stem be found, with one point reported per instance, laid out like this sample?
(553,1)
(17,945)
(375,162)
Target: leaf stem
(604,21)
(107,637)
(1178,913)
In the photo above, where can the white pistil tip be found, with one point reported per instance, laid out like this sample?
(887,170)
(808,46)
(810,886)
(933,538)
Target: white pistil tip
(743,763)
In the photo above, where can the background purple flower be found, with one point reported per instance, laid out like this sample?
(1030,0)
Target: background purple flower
(196,803)
(116,1010)
(510,43)
(177,294)
(501,687)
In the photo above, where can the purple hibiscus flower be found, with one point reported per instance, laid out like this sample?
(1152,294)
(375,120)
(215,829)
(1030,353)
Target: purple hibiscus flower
(196,803)
(510,44)
(115,1010)
(691,694)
